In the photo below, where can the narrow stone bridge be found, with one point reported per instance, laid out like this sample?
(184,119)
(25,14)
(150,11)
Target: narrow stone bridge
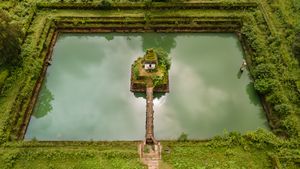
(150,149)
(149,116)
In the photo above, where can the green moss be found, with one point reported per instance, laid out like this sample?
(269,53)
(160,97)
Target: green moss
(150,56)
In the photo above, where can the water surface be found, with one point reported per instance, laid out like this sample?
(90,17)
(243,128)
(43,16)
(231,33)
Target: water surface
(85,95)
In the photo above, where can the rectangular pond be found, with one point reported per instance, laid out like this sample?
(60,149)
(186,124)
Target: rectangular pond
(86,92)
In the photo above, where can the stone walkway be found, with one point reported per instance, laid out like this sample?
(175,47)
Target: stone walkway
(150,149)
(149,116)
(152,157)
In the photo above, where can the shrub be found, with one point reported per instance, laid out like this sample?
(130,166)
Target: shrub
(264,70)
(290,124)
(3,76)
(136,71)
(296,47)
(163,58)
(106,4)
(282,110)
(183,137)
(264,86)
(10,41)
(277,98)
(157,80)
(261,138)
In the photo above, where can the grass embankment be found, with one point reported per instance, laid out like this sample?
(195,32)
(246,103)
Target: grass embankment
(285,17)
(275,70)
(179,155)
(253,150)
(197,155)
(69,155)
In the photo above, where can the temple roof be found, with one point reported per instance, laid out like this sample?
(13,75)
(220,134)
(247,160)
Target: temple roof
(150,56)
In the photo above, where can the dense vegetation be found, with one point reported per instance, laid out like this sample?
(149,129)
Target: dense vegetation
(73,155)
(258,149)
(268,30)
(274,69)
(296,47)
(10,46)
(163,58)
(158,77)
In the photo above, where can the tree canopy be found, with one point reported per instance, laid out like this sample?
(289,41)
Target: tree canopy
(296,47)
(163,58)
(10,45)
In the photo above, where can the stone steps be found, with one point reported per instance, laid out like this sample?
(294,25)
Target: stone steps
(151,158)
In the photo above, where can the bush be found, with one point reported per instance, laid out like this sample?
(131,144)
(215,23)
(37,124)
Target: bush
(3,76)
(163,58)
(264,86)
(136,71)
(157,80)
(183,137)
(282,110)
(296,47)
(290,124)
(261,138)
(277,98)
(106,4)
(264,70)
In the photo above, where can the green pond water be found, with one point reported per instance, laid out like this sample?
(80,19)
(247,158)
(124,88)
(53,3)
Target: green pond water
(86,96)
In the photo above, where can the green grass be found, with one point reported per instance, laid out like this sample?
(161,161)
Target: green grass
(257,150)
(80,156)
(198,155)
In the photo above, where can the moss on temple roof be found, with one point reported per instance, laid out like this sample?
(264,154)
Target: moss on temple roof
(150,56)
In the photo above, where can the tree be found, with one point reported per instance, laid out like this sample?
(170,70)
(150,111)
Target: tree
(163,58)
(106,4)
(10,43)
(43,105)
(296,47)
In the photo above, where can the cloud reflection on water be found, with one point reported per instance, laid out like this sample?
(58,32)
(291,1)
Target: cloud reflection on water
(90,85)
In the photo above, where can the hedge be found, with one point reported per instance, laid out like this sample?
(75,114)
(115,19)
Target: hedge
(222,5)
